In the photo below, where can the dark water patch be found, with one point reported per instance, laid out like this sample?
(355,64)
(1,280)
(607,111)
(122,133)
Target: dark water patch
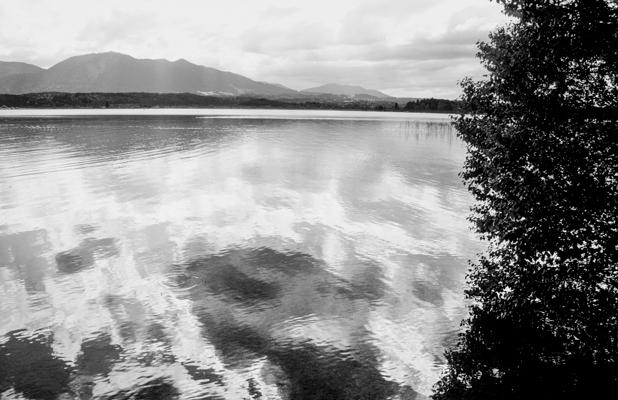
(322,373)
(266,258)
(222,278)
(429,292)
(254,390)
(294,283)
(310,371)
(227,279)
(235,275)
(158,388)
(179,278)
(335,290)
(73,260)
(275,285)
(83,256)
(204,375)
(155,358)
(29,366)
(289,262)
(368,283)
(236,344)
(407,393)
(155,333)
(98,355)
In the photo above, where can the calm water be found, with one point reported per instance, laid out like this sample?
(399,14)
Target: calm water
(233,255)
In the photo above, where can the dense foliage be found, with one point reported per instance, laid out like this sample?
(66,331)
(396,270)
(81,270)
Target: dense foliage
(541,131)
(147,100)
(432,104)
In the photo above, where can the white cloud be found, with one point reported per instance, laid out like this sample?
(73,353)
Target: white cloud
(357,41)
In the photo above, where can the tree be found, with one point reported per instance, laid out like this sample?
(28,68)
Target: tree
(542,136)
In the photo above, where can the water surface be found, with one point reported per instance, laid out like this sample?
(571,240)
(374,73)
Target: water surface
(229,254)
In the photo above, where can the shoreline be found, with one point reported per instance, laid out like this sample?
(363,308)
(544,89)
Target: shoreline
(232,108)
(226,112)
(130,100)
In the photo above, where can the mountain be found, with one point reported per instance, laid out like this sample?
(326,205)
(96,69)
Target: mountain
(15,68)
(345,90)
(115,72)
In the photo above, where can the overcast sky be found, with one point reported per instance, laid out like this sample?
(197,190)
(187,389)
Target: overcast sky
(416,48)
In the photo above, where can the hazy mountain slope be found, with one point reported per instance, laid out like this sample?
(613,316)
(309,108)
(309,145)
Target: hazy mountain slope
(15,68)
(344,90)
(115,72)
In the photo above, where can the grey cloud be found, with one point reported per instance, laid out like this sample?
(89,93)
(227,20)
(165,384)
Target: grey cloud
(372,43)
(361,28)
(423,66)
(365,26)
(276,40)
(416,51)
(393,10)
(449,46)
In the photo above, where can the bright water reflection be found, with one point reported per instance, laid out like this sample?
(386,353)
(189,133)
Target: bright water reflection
(260,255)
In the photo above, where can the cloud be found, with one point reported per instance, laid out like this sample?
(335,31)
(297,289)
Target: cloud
(118,27)
(277,40)
(424,79)
(364,42)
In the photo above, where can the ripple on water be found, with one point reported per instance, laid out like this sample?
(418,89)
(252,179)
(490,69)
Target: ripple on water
(268,255)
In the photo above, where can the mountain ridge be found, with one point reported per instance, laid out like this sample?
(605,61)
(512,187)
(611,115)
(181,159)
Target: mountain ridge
(345,90)
(113,72)
(117,72)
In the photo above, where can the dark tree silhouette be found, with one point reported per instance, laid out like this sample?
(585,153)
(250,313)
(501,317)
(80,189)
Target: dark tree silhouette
(432,105)
(542,137)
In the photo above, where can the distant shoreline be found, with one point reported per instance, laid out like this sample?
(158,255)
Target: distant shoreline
(222,113)
(59,100)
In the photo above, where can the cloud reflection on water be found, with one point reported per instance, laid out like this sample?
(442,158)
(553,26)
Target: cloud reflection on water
(234,258)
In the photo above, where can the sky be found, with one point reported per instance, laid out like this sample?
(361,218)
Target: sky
(415,48)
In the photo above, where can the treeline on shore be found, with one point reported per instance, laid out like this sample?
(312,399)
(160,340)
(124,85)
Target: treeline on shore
(190,100)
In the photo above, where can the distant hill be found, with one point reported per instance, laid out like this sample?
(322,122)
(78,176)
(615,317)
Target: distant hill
(346,90)
(15,68)
(119,73)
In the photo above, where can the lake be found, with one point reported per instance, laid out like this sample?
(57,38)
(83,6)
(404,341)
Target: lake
(229,254)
